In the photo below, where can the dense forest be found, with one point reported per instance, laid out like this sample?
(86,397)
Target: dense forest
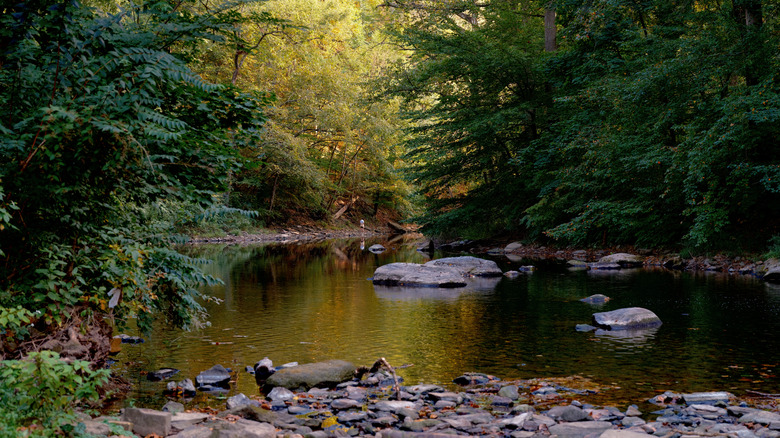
(575,122)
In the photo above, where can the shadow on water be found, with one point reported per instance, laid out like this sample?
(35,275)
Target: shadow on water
(313,301)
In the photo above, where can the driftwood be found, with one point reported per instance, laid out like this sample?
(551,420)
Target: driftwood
(379,364)
(343,209)
(395,227)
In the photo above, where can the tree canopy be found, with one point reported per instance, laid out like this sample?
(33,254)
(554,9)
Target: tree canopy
(653,123)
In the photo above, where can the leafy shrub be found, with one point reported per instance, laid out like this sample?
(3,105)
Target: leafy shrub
(40,392)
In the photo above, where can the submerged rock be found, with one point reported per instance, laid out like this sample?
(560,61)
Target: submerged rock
(162,374)
(596,299)
(630,318)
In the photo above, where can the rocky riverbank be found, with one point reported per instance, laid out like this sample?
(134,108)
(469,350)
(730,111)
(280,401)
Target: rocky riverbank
(375,405)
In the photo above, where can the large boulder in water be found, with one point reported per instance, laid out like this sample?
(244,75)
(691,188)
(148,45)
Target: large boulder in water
(630,318)
(414,275)
(624,260)
(772,273)
(319,374)
(470,266)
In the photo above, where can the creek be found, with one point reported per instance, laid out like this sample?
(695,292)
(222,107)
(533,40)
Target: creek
(313,301)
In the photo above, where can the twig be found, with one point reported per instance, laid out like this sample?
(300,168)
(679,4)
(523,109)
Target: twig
(381,363)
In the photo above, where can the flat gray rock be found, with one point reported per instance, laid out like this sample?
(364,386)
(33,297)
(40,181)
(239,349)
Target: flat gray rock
(762,417)
(579,429)
(414,275)
(630,318)
(471,266)
(706,397)
(310,375)
(148,421)
(625,260)
(613,433)
(567,413)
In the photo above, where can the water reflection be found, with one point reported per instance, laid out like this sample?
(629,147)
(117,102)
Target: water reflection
(313,301)
(627,339)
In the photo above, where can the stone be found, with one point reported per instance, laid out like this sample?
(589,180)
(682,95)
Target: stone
(584,328)
(632,422)
(319,374)
(624,260)
(614,433)
(280,394)
(511,274)
(376,248)
(509,391)
(772,273)
(344,403)
(630,318)
(451,396)
(468,265)
(579,429)
(214,376)
(96,428)
(473,379)
(172,407)
(514,246)
(393,405)
(414,275)
(184,420)
(162,374)
(262,370)
(404,434)
(501,401)
(239,400)
(761,417)
(706,397)
(148,421)
(596,299)
(195,432)
(352,417)
(245,429)
(567,413)
(187,388)
(633,411)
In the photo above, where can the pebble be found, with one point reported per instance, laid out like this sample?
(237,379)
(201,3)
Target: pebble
(485,409)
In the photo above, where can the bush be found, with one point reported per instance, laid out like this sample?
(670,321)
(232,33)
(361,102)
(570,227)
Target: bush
(40,392)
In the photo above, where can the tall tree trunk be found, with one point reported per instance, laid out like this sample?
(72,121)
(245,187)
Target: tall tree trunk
(550,31)
(748,14)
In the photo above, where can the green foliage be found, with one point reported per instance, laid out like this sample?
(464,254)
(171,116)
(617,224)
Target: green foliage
(329,137)
(101,114)
(40,392)
(474,92)
(654,123)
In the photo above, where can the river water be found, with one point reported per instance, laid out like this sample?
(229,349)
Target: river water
(309,302)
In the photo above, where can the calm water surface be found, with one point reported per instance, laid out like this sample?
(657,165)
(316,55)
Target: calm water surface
(311,302)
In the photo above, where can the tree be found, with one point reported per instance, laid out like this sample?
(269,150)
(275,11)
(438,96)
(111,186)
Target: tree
(327,141)
(475,93)
(101,114)
(666,126)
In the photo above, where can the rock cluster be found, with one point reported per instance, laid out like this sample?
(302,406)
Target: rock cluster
(487,407)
